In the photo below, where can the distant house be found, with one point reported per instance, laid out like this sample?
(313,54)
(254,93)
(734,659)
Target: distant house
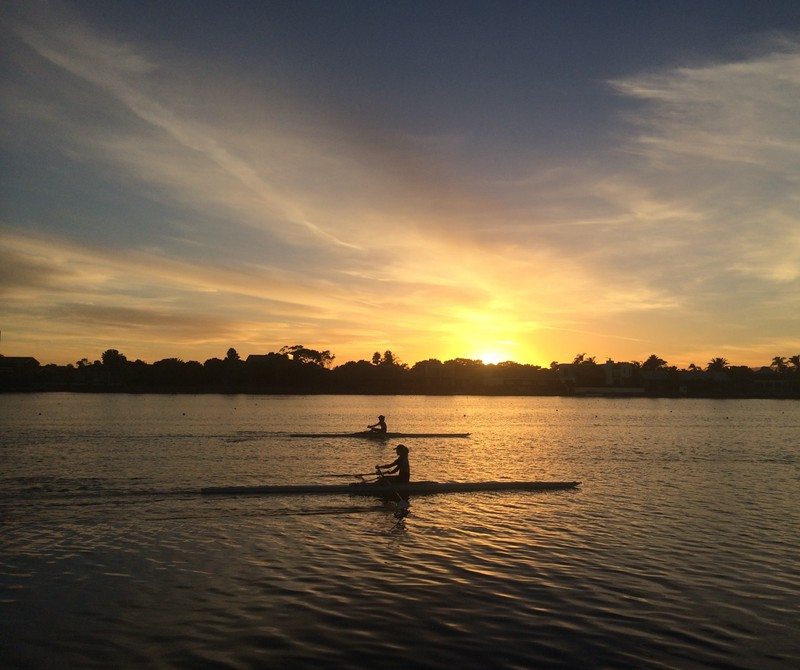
(771,383)
(17,371)
(619,374)
(15,364)
(608,379)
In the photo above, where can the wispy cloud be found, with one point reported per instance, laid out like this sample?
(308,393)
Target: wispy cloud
(183,147)
(720,153)
(740,113)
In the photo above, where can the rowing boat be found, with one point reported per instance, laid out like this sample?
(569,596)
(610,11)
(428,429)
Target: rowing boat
(374,435)
(382,489)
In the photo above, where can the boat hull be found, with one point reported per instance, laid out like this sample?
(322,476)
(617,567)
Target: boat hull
(372,435)
(383,490)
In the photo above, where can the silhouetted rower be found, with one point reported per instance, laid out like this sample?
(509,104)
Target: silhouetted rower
(379,427)
(400,465)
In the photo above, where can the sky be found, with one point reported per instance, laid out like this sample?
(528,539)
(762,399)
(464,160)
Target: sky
(522,181)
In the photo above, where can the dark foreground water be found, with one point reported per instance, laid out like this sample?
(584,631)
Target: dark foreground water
(680,549)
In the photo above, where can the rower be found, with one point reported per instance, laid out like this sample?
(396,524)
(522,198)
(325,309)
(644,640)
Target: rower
(379,427)
(400,465)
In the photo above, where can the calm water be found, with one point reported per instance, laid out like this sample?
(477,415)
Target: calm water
(680,549)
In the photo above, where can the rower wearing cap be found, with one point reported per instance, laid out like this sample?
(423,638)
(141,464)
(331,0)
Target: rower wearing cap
(400,465)
(379,427)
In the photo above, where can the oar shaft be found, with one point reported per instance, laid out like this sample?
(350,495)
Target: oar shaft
(387,482)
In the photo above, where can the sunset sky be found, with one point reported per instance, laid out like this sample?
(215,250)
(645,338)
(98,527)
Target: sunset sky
(496,180)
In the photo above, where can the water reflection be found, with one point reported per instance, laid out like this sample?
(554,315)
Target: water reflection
(624,572)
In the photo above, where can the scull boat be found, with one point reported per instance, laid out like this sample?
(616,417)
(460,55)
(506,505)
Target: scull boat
(382,489)
(374,435)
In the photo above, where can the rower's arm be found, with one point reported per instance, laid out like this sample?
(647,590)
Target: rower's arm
(393,464)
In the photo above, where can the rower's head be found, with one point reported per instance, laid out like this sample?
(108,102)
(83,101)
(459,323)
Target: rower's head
(381,417)
(401,449)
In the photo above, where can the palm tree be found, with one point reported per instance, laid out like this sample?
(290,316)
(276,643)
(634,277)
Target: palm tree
(717,364)
(653,363)
(779,363)
(795,362)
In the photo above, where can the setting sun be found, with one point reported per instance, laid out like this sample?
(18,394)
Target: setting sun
(491,357)
(498,352)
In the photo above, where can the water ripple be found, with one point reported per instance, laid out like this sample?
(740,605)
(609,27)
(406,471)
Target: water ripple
(679,550)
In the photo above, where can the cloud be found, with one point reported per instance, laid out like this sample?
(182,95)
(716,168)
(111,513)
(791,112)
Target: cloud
(168,148)
(142,301)
(720,146)
(218,144)
(743,113)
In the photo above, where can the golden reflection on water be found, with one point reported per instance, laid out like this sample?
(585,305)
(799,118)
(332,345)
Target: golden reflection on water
(108,548)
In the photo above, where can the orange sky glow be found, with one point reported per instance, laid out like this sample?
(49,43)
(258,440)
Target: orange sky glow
(171,198)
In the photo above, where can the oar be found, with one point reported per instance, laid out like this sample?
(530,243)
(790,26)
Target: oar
(403,505)
(356,476)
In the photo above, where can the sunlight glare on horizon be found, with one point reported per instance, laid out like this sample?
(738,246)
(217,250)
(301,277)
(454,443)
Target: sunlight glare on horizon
(493,356)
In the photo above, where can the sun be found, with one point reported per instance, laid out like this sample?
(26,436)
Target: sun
(502,351)
(497,351)
(492,357)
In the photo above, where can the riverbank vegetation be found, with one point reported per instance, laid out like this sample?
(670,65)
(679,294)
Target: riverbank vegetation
(298,369)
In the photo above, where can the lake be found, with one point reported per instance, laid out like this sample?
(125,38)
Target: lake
(679,550)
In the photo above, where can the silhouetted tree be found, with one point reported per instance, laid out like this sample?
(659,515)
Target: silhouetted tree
(173,372)
(137,372)
(301,354)
(427,370)
(216,371)
(356,377)
(388,358)
(113,359)
(718,364)
(653,363)
(779,364)
(298,369)
(427,376)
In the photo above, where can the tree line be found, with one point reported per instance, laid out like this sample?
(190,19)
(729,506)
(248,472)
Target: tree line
(300,369)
